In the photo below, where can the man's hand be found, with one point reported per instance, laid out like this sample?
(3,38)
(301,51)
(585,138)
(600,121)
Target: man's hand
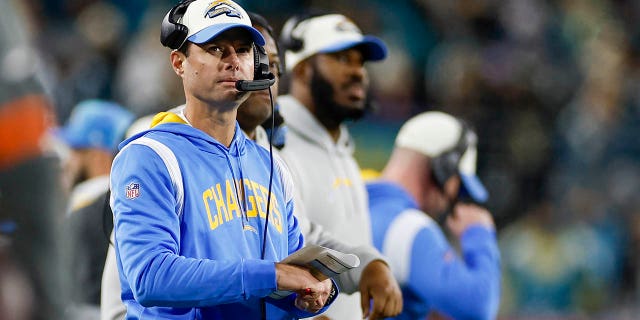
(377,283)
(466,215)
(312,293)
(314,299)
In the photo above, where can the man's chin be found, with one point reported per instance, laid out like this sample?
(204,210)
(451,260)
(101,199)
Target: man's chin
(241,96)
(353,113)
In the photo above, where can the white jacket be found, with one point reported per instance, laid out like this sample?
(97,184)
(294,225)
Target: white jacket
(327,180)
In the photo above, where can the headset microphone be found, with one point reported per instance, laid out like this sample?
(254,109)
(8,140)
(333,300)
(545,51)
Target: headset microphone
(256,85)
(262,76)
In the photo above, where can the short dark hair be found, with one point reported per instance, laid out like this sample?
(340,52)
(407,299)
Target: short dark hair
(184,48)
(261,21)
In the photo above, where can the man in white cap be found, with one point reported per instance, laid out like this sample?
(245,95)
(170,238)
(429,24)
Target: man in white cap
(197,233)
(433,166)
(254,111)
(325,57)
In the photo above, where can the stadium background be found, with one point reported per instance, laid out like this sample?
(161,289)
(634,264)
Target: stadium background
(551,87)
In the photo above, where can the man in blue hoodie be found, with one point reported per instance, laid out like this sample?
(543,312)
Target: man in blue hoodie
(432,164)
(192,197)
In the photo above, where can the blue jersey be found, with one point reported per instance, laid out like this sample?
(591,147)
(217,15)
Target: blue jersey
(189,218)
(431,274)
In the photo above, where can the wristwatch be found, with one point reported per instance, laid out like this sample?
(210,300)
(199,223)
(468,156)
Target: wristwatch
(333,293)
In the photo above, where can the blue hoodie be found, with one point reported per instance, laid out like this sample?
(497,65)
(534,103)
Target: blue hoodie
(430,272)
(189,239)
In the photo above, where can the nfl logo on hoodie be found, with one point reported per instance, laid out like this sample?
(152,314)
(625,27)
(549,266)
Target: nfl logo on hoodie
(132,190)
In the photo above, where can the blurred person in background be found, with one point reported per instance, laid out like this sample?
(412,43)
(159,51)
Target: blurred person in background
(32,284)
(325,56)
(433,162)
(373,275)
(93,133)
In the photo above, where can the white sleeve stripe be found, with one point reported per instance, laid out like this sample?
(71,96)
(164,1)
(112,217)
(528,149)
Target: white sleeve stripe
(398,241)
(171,162)
(285,175)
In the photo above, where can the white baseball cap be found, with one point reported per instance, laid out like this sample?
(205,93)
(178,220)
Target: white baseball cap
(330,33)
(436,133)
(206,19)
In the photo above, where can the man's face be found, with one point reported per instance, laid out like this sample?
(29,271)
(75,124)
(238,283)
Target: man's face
(212,69)
(257,108)
(339,85)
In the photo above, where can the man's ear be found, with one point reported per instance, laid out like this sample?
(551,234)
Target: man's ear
(177,60)
(303,71)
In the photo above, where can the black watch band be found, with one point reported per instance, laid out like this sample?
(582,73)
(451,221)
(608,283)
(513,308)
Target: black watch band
(332,294)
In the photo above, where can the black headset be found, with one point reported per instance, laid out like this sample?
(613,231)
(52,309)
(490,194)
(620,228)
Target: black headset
(174,34)
(262,77)
(287,39)
(446,164)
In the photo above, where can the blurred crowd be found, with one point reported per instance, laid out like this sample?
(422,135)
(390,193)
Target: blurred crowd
(551,87)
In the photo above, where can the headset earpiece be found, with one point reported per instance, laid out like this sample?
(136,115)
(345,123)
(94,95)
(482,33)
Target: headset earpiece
(287,39)
(172,33)
(262,77)
(260,63)
(446,165)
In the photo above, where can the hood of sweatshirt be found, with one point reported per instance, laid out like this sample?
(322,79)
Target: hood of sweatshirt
(300,121)
(175,123)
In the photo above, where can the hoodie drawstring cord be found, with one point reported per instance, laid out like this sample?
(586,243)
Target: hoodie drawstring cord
(243,204)
(235,187)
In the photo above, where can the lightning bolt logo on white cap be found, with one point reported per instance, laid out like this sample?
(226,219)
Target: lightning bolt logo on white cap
(206,19)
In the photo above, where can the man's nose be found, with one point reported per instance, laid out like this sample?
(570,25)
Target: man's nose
(231,57)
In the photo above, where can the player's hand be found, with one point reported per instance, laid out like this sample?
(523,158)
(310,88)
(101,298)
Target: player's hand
(377,283)
(465,215)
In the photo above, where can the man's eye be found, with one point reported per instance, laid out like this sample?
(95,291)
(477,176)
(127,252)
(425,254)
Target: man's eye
(215,49)
(244,49)
(342,58)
